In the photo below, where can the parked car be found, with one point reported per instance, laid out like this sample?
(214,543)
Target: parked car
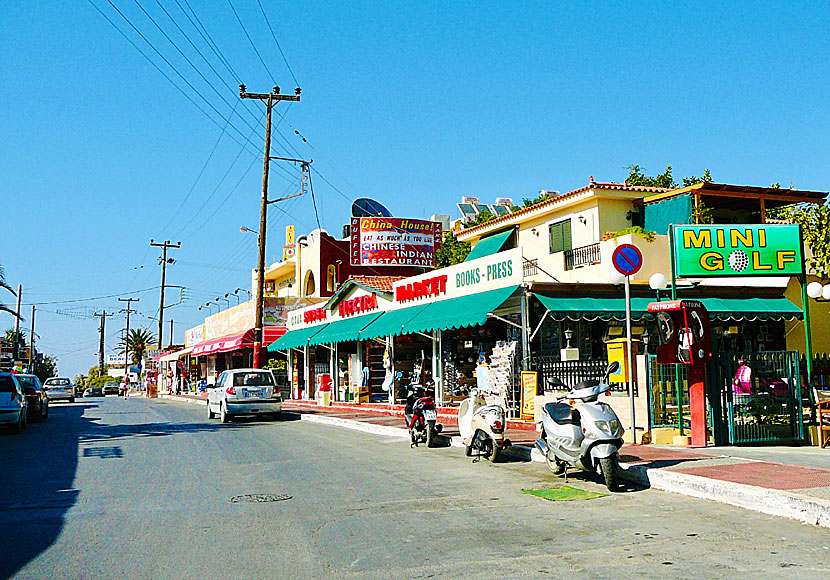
(244,392)
(94,392)
(36,398)
(110,389)
(12,403)
(58,389)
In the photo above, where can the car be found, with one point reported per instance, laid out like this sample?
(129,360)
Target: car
(12,403)
(240,392)
(110,389)
(93,392)
(58,389)
(38,401)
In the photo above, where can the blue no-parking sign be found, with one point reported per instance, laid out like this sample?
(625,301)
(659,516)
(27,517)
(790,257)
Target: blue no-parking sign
(627,259)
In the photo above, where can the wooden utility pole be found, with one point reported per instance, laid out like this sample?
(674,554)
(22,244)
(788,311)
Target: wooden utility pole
(129,302)
(103,316)
(32,342)
(163,261)
(270,99)
(16,355)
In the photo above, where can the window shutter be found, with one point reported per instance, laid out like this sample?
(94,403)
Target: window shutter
(555,238)
(566,235)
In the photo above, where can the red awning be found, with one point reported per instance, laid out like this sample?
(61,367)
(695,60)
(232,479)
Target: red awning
(237,341)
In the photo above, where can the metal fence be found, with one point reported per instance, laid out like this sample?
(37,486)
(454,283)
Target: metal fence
(582,256)
(570,372)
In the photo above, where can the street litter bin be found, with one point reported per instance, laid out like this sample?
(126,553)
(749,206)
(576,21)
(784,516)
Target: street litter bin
(324,385)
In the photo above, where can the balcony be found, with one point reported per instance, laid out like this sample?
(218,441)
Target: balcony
(531,267)
(583,256)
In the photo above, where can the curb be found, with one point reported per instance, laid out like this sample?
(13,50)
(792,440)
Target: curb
(183,399)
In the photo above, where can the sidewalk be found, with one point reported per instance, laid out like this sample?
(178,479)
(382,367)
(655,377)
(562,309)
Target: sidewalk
(792,482)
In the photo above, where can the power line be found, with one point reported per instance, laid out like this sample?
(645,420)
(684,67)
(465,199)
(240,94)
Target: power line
(274,36)
(89,299)
(248,36)
(314,201)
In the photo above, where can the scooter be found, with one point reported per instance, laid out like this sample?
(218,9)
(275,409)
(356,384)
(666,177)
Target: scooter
(580,432)
(482,427)
(421,415)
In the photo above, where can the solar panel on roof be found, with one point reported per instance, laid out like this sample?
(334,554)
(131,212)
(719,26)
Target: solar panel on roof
(499,210)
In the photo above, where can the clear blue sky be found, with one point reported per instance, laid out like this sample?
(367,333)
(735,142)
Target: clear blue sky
(414,104)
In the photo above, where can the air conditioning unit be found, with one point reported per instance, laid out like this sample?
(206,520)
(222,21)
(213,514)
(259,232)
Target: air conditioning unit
(469,199)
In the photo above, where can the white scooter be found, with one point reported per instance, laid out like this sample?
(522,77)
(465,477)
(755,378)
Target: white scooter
(482,427)
(580,432)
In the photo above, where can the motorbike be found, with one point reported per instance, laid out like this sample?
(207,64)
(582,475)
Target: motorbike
(420,413)
(580,432)
(482,427)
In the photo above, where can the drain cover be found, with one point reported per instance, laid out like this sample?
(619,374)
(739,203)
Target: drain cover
(260,497)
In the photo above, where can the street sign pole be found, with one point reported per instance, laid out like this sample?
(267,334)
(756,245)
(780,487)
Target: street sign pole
(630,356)
(678,387)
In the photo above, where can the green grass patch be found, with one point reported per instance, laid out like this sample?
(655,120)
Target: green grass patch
(563,493)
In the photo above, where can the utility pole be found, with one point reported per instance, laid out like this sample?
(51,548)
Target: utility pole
(32,342)
(270,99)
(163,261)
(103,316)
(17,325)
(170,343)
(129,302)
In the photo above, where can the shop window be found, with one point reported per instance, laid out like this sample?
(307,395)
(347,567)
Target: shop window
(331,276)
(309,284)
(560,236)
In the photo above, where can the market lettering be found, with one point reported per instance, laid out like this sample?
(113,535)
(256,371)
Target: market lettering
(356,305)
(314,315)
(467,277)
(421,289)
(500,270)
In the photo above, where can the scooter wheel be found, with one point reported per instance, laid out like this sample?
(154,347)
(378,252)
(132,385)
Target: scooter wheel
(495,452)
(609,467)
(556,467)
(430,434)
(468,450)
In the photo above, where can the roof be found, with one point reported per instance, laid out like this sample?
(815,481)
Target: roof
(379,283)
(721,190)
(556,199)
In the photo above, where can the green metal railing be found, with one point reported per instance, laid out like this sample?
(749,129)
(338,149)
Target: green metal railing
(662,393)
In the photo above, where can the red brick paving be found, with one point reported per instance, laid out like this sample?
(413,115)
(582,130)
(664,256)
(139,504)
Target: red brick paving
(763,474)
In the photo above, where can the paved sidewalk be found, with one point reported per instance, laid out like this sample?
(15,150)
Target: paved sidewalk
(792,482)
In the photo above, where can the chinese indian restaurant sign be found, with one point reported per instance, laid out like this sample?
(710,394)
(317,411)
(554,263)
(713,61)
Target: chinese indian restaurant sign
(380,241)
(738,250)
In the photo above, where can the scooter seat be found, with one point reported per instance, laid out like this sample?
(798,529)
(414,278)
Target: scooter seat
(562,413)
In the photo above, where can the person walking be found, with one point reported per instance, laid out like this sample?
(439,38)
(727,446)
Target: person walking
(126,386)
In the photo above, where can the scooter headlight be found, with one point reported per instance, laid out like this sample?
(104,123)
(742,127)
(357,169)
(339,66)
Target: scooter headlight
(604,427)
(616,428)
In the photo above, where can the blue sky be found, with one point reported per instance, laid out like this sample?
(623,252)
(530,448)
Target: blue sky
(414,104)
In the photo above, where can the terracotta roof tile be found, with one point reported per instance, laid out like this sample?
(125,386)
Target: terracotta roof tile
(592,185)
(380,283)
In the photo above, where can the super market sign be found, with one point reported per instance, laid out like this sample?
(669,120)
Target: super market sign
(737,250)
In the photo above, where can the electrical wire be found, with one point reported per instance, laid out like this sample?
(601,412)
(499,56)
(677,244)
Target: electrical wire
(248,36)
(274,36)
(314,200)
(89,299)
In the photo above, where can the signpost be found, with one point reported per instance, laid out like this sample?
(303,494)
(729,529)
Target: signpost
(627,260)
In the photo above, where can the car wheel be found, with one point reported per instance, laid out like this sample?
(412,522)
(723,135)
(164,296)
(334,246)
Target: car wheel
(21,421)
(223,414)
(72,400)
(277,416)
(46,413)
(211,414)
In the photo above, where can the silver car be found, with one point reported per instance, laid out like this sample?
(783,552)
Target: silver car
(12,403)
(244,392)
(58,389)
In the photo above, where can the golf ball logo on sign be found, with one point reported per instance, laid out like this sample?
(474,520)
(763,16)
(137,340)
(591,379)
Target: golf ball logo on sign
(738,250)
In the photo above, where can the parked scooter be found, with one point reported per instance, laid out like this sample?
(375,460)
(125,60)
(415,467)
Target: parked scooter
(482,427)
(580,432)
(421,415)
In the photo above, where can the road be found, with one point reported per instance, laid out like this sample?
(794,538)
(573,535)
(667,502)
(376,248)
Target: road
(108,488)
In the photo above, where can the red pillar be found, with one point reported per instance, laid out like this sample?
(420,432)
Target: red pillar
(697,403)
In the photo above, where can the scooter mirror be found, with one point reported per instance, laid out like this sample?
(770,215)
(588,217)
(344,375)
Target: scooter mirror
(612,368)
(398,374)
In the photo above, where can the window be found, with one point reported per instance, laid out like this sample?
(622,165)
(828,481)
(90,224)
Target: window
(309,284)
(560,236)
(253,379)
(331,274)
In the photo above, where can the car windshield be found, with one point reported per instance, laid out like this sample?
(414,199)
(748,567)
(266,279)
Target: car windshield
(253,380)
(57,382)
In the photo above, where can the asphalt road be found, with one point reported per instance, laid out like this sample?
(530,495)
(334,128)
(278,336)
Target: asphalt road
(108,488)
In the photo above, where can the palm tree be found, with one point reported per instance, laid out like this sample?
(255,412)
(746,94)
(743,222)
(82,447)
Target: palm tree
(13,336)
(137,342)
(4,284)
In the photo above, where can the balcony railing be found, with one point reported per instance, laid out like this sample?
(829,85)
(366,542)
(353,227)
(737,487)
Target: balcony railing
(582,256)
(531,267)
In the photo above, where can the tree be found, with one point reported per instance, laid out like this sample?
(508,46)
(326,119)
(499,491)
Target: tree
(45,367)
(4,284)
(637,176)
(815,225)
(13,336)
(451,251)
(137,342)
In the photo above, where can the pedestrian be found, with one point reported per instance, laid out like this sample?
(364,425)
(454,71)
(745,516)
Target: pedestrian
(126,386)
(743,379)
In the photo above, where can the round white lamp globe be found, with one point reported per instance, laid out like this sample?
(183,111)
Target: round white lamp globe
(616,277)
(825,292)
(814,289)
(657,281)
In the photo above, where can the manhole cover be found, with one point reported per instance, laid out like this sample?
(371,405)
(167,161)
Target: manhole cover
(260,497)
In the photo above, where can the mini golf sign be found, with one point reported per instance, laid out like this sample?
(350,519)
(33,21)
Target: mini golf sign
(737,250)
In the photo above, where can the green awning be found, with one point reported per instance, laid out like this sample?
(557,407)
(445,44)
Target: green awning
(593,308)
(459,312)
(391,323)
(343,330)
(295,338)
(489,245)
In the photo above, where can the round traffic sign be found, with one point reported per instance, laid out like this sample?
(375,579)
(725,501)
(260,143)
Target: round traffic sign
(627,259)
